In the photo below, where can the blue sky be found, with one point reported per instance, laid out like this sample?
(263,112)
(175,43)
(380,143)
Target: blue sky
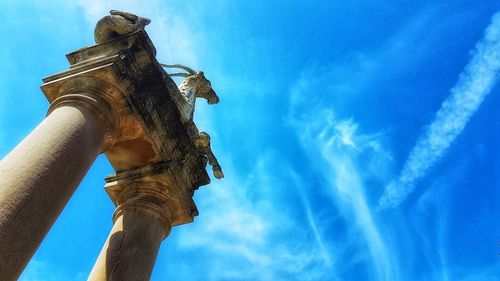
(359,139)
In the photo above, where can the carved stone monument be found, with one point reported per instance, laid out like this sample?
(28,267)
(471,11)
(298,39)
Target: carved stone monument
(116,99)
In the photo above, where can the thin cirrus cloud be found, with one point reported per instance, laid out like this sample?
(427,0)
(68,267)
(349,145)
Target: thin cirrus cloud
(249,234)
(335,146)
(338,145)
(474,84)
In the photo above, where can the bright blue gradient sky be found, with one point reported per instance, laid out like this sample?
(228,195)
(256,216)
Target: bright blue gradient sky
(359,139)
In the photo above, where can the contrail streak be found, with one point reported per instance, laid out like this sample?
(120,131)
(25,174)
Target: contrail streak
(474,84)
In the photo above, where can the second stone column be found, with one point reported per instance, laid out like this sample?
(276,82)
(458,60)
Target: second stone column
(141,222)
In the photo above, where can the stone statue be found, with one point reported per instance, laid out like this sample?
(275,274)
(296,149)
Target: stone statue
(196,86)
(117,24)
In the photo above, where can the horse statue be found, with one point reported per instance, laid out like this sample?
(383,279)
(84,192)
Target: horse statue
(195,86)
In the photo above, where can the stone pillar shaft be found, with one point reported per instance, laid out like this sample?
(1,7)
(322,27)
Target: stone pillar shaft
(132,246)
(39,176)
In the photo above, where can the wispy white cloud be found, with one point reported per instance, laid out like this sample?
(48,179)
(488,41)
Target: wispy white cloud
(244,223)
(335,147)
(474,84)
(318,235)
(338,145)
(346,157)
(429,221)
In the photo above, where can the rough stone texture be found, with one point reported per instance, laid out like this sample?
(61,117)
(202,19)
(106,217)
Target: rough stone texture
(147,121)
(196,86)
(118,23)
(159,183)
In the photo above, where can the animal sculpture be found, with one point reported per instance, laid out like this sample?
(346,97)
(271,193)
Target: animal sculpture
(196,85)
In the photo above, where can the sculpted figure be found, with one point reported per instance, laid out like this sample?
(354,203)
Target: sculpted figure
(196,86)
(117,24)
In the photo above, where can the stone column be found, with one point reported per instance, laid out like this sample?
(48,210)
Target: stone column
(142,220)
(39,176)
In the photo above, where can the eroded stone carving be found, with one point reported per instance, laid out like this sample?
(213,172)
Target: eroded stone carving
(117,24)
(196,86)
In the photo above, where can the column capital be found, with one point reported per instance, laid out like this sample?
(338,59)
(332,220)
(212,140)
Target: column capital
(160,188)
(97,96)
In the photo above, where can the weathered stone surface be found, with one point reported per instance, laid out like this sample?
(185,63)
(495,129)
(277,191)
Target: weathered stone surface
(148,126)
(158,163)
(161,181)
(196,86)
(117,24)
